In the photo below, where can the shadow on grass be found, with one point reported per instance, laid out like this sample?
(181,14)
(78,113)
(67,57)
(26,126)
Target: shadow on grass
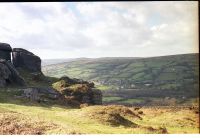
(13,95)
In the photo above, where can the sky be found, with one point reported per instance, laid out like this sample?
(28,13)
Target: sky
(101,29)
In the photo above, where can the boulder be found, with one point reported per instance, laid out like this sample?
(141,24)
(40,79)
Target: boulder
(9,75)
(26,60)
(80,91)
(41,94)
(5,51)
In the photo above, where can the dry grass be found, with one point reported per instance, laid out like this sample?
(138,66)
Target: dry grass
(113,119)
(12,123)
(117,115)
(114,115)
(175,119)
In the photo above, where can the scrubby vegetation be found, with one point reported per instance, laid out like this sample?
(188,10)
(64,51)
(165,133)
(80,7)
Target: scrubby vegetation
(17,123)
(37,78)
(77,91)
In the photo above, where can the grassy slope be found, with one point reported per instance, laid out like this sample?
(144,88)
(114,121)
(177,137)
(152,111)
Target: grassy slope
(179,71)
(54,119)
(20,116)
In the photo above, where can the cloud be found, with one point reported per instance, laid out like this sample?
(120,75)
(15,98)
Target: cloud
(98,29)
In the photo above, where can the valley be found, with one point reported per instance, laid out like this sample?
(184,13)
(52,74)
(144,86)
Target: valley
(166,80)
(175,72)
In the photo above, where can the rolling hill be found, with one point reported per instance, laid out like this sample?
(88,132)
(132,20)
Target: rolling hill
(46,62)
(166,72)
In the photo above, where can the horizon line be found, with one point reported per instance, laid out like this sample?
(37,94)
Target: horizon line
(115,57)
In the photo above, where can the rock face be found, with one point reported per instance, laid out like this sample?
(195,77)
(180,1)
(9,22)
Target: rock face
(41,94)
(27,60)
(5,51)
(4,74)
(9,75)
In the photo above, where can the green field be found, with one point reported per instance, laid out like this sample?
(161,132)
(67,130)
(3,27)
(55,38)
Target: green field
(111,99)
(166,72)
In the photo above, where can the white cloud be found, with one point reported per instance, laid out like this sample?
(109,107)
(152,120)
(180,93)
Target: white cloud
(98,29)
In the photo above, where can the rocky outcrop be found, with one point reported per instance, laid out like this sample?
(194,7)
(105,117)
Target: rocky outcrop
(5,51)
(9,75)
(66,90)
(79,92)
(26,60)
(41,94)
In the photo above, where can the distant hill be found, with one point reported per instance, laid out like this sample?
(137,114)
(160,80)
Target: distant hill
(46,62)
(165,72)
